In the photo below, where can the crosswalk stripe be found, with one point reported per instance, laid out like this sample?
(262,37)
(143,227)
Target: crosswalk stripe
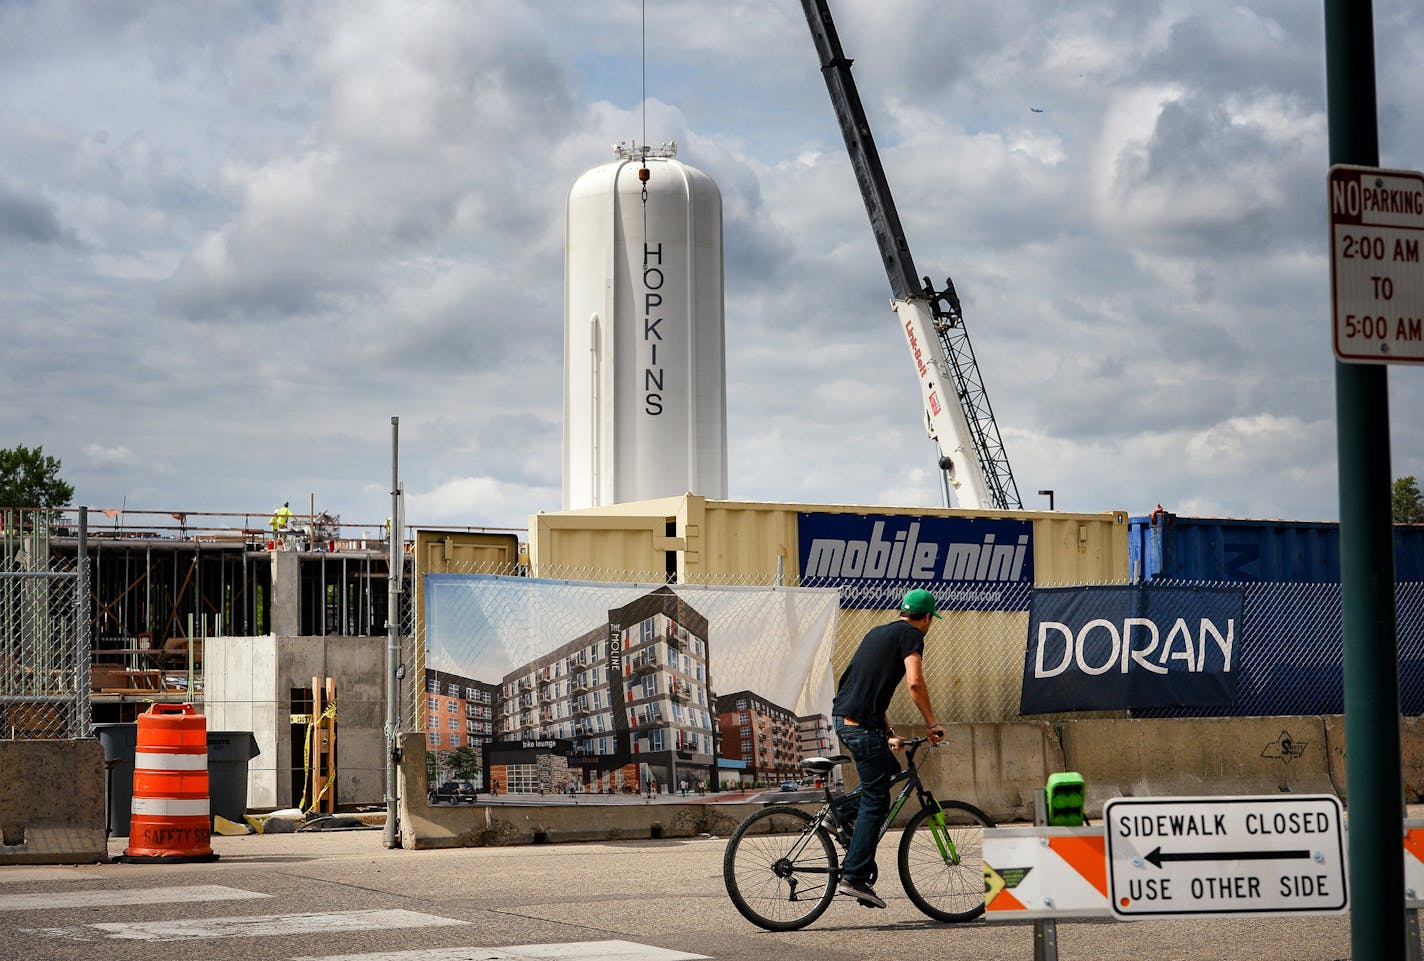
(263,926)
(569,951)
(113,898)
(30,875)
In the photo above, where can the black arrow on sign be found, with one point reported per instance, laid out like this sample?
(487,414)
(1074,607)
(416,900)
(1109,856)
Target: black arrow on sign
(1157,857)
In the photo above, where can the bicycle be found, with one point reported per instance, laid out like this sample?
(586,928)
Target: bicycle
(784,883)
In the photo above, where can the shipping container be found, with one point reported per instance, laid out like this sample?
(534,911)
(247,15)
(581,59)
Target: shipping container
(447,551)
(982,566)
(1164,545)
(712,541)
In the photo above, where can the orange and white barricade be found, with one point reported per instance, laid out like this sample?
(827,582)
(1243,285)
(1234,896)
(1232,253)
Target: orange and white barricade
(171,820)
(1045,872)
(1414,863)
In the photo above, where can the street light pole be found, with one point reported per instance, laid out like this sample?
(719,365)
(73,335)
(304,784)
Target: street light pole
(1049,495)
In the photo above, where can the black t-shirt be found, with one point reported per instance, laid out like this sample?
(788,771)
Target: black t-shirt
(868,684)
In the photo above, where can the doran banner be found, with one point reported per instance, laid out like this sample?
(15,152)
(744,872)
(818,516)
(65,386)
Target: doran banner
(1138,646)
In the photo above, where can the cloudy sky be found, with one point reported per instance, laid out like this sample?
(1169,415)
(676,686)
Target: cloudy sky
(237,237)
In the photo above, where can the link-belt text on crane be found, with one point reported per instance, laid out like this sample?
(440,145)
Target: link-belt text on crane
(968,562)
(915,348)
(653,373)
(931,395)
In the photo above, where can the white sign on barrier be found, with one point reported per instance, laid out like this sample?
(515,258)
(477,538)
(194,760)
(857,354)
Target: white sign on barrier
(1224,856)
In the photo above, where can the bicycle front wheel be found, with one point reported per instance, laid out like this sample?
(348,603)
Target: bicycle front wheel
(780,869)
(942,862)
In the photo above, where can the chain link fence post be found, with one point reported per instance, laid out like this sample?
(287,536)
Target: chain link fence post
(82,725)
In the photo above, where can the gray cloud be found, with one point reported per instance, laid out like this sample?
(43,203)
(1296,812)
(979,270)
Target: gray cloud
(261,231)
(28,219)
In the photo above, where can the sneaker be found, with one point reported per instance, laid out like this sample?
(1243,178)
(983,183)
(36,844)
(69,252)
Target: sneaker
(862,892)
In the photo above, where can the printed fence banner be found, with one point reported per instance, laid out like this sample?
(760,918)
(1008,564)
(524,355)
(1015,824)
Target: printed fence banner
(1137,646)
(541,685)
(971,563)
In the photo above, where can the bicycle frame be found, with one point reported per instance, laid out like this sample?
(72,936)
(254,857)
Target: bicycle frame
(910,776)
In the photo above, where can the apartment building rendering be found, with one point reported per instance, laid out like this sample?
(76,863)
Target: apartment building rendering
(762,735)
(814,735)
(626,705)
(459,712)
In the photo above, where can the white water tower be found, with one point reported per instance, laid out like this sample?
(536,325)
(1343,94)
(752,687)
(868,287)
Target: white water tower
(645,372)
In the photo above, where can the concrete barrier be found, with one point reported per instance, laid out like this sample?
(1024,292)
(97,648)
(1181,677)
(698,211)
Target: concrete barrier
(1199,757)
(1411,750)
(424,826)
(995,767)
(52,802)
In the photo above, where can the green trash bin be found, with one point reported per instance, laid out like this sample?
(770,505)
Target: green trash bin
(228,754)
(120,743)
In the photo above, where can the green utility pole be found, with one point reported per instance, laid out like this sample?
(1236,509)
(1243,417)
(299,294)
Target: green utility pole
(1374,786)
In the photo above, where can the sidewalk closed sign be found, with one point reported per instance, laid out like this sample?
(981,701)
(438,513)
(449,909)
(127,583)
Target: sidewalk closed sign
(1225,856)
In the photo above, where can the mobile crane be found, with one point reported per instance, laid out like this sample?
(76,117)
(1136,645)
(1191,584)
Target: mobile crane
(972,454)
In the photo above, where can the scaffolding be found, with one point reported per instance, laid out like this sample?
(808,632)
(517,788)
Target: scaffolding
(162,582)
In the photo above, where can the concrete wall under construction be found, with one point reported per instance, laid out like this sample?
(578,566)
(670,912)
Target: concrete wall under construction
(257,683)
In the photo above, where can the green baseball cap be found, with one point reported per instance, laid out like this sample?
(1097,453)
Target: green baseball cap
(919,601)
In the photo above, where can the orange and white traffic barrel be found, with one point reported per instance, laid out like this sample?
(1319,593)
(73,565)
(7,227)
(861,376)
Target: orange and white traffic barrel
(170,821)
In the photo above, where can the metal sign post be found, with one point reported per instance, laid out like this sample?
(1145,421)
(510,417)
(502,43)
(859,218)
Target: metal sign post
(1367,614)
(394,669)
(1045,930)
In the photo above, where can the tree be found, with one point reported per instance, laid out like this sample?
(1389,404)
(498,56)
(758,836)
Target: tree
(1408,502)
(30,479)
(464,764)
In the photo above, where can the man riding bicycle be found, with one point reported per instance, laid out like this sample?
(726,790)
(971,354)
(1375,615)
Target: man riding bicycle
(886,654)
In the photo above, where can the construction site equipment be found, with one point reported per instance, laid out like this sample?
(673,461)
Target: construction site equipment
(972,454)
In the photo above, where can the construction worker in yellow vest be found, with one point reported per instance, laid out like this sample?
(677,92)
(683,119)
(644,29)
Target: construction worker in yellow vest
(282,518)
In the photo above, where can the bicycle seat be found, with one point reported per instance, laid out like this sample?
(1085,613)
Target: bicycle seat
(823,765)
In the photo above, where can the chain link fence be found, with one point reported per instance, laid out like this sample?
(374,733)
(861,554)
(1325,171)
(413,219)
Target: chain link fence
(1292,652)
(1290,648)
(973,661)
(44,624)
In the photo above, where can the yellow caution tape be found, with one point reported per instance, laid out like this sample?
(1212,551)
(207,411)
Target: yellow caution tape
(311,722)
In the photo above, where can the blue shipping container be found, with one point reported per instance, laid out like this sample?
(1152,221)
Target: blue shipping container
(1228,549)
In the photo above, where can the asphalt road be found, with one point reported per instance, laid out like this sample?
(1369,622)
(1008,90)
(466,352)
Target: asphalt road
(334,895)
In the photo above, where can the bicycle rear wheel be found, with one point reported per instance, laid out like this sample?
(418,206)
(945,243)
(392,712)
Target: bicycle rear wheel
(780,869)
(942,865)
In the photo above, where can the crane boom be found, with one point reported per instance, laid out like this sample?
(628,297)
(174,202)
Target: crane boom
(972,452)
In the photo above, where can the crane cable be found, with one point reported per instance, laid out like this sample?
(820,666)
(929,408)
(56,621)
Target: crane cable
(643,172)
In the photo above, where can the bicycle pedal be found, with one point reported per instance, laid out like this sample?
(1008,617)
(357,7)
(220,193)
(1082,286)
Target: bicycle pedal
(867,904)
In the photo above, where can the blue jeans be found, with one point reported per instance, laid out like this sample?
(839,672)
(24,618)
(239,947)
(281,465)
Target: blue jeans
(876,766)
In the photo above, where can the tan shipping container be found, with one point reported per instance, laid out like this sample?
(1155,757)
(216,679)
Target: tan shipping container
(455,552)
(973,658)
